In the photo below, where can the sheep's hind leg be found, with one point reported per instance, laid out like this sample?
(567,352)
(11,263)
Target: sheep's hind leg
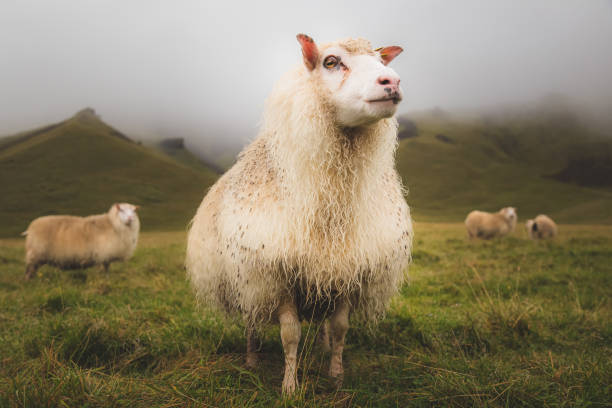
(252,346)
(290,331)
(339,323)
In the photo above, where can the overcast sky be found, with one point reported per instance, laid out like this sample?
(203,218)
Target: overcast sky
(202,69)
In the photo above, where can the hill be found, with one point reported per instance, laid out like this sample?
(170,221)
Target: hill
(82,165)
(538,161)
(175,148)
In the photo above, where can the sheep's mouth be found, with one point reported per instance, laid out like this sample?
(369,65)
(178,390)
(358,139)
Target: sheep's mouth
(394,98)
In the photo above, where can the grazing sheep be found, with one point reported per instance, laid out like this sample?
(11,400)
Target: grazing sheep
(486,225)
(311,221)
(70,242)
(542,227)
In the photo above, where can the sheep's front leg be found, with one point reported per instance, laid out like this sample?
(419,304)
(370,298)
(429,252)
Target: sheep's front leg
(324,336)
(339,323)
(106,266)
(31,269)
(252,345)
(290,331)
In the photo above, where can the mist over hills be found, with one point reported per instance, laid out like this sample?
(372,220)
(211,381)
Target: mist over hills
(540,159)
(554,117)
(175,148)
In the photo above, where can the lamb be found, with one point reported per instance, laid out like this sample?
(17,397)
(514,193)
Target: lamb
(311,222)
(542,227)
(68,242)
(486,225)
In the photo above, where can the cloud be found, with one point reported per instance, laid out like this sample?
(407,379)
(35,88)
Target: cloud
(202,70)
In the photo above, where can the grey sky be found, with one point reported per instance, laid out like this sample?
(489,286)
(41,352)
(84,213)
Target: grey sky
(202,69)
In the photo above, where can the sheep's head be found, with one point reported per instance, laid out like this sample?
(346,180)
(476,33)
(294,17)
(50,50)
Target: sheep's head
(509,213)
(125,212)
(354,79)
(531,225)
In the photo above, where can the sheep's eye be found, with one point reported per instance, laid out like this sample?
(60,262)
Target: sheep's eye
(330,62)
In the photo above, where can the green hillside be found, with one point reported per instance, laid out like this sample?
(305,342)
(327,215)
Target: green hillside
(539,162)
(81,166)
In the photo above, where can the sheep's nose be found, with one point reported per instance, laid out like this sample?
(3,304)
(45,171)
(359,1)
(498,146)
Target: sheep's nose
(390,83)
(388,80)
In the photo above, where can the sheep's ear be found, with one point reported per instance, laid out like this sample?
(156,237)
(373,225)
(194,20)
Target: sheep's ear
(388,53)
(117,207)
(310,52)
(136,207)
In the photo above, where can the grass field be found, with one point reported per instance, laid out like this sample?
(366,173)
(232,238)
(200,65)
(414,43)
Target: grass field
(508,322)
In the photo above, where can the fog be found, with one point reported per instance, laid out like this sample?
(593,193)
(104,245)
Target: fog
(202,70)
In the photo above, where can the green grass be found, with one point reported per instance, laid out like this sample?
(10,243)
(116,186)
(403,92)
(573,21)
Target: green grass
(503,323)
(507,323)
(83,166)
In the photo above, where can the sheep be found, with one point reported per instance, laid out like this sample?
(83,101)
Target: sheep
(311,221)
(542,227)
(486,225)
(68,242)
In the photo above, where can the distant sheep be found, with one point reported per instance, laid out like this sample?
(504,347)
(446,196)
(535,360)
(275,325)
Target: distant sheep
(311,221)
(542,227)
(68,242)
(486,225)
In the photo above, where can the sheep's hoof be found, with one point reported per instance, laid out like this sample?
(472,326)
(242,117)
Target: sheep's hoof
(336,374)
(252,361)
(289,386)
(337,381)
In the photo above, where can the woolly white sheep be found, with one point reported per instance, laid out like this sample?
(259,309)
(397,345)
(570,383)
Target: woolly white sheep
(67,241)
(486,225)
(311,222)
(542,227)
